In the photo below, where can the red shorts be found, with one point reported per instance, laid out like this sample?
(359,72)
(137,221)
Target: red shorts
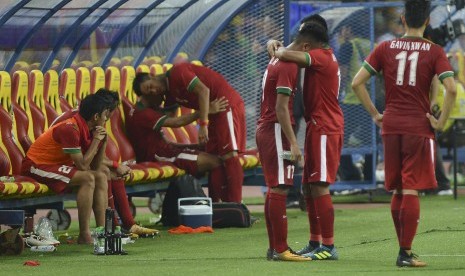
(185,159)
(271,142)
(56,177)
(409,162)
(226,131)
(322,155)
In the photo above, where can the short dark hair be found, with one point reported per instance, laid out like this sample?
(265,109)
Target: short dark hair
(314,32)
(416,12)
(93,104)
(315,18)
(138,80)
(112,97)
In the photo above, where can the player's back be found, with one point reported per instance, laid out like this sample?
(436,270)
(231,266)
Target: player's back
(321,91)
(217,84)
(408,65)
(275,81)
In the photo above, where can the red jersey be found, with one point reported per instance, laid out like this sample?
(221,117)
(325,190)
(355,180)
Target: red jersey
(279,78)
(145,133)
(182,79)
(321,91)
(408,65)
(55,145)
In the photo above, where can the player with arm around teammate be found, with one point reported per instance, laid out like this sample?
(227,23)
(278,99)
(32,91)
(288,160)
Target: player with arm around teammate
(323,139)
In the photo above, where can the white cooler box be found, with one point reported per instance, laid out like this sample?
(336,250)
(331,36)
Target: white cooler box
(195,215)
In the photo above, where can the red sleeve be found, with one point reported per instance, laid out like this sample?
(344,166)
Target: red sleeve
(316,59)
(286,79)
(374,61)
(67,135)
(442,66)
(185,76)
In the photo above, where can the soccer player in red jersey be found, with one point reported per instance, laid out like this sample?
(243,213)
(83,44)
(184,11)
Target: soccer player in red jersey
(277,146)
(223,133)
(144,128)
(69,156)
(408,65)
(117,196)
(323,140)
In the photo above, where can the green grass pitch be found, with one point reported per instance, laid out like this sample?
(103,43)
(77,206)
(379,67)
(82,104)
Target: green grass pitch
(364,237)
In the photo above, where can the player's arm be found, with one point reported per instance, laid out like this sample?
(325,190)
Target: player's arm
(99,156)
(82,162)
(215,106)
(449,100)
(284,119)
(203,93)
(300,58)
(433,96)
(359,87)
(120,169)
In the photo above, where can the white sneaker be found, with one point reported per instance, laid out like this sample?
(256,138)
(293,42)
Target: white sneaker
(445,192)
(36,240)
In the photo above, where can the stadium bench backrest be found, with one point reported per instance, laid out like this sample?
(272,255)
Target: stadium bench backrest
(143,68)
(21,110)
(126,61)
(67,89)
(51,96)
(117,132)
(5,168)
(97,79)
(166,67)
(156,69)
(113,83)
(128,97)
(191,129)
(37,102)
(82,83)
(8,108)
(11,145)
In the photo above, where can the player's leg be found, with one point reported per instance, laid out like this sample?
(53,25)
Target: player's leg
(217,177)
(279,175)
(100,197)
(85,181)
(322,154)
(225,133)
(315,229)
(393,176)
(418,174)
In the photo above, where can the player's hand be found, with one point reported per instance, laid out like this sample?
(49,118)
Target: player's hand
(203,134)
(218,105)
(296,154)
(435,124)
(99,133)
(122,171)
(378,119)
(272,46)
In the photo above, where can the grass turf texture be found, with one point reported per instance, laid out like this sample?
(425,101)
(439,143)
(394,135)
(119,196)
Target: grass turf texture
(365,240)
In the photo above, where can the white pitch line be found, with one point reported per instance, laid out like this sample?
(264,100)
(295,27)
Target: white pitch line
(435,255)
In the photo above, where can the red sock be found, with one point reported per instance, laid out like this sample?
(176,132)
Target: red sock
(269,229)
(234,177)
(396,202)
(325,211)
(278,219)
(111,203)
(409,218)
(216,180)
(315,229)
(122,203)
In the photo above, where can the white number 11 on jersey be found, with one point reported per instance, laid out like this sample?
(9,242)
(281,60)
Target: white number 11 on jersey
(413,58)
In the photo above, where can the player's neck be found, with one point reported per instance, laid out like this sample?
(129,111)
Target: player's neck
(414,32)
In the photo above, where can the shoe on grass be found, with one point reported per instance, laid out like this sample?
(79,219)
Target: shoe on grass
(307,249)
(411,260)
(323,253)
(291,256)
(271,254)
(143,232)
